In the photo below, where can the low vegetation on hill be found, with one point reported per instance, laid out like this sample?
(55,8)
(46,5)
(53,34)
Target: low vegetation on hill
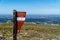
(31,31)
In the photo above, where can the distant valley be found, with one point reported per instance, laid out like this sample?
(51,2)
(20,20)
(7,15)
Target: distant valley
(39,19)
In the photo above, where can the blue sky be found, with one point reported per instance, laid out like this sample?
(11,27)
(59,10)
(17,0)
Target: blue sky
(30,6)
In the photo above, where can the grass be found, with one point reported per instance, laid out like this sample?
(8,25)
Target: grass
(31,31)
(42,28)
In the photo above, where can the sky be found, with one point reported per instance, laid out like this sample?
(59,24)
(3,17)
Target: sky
(30,6)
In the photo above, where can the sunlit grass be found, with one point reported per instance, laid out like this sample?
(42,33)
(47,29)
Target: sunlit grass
(31,31)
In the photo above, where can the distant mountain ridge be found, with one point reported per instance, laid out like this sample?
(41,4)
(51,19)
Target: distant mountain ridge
(42,19)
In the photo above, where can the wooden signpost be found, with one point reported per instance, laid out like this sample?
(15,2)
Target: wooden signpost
(18,20)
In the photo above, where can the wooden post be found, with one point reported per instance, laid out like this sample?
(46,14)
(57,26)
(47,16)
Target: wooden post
(14,25)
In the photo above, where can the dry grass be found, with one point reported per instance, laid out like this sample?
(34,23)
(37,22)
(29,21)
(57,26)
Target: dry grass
(31,31)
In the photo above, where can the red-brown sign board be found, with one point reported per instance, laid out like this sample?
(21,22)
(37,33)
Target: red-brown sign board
(20,19)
